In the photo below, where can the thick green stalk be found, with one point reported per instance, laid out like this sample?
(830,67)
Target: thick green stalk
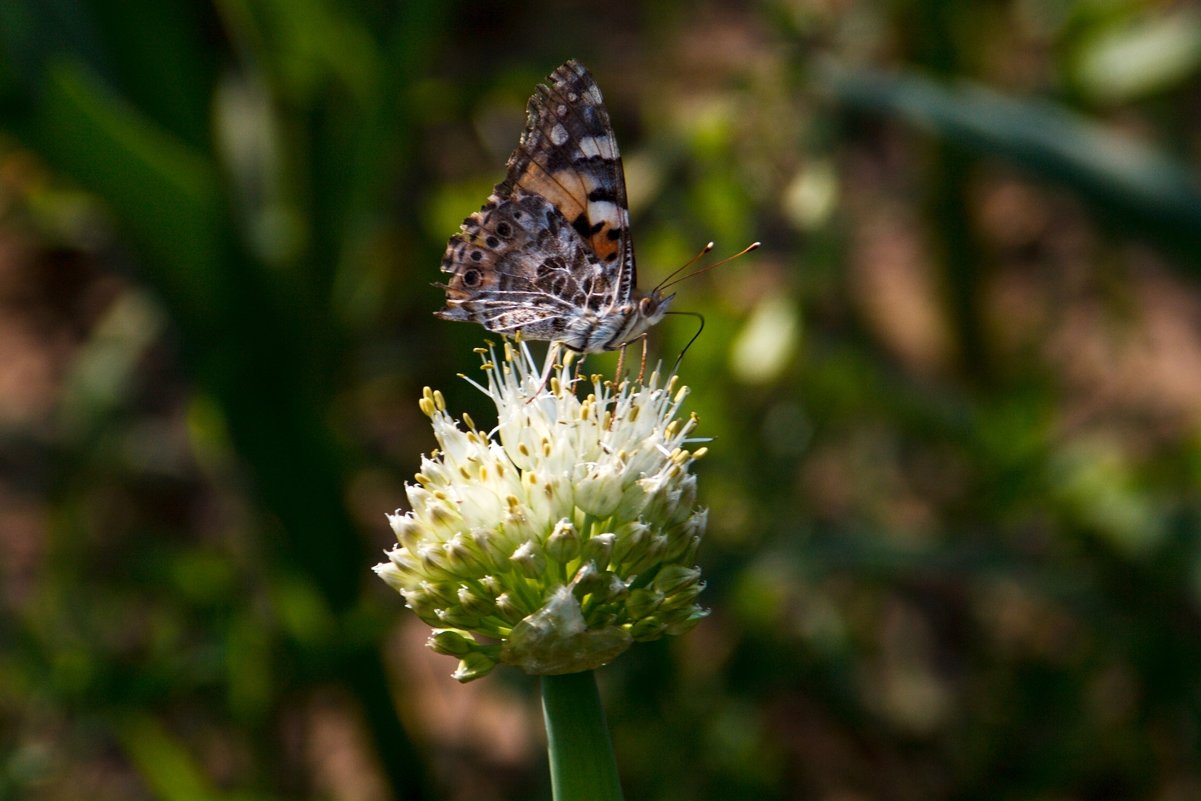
(582,767)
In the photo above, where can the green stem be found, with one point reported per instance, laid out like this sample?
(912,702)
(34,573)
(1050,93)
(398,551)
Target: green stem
(582,767)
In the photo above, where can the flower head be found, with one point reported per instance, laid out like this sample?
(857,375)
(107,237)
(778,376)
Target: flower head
(561,536)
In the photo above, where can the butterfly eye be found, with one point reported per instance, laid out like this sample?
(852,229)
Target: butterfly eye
(471,278)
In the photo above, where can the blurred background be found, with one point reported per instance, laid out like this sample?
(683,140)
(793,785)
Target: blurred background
(955,533)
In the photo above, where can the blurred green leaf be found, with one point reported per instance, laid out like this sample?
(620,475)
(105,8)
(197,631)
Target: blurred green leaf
(165,764)
(164,192)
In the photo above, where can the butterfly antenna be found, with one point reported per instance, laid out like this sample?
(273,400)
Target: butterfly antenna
(667,282)
(704,252)
(699,329)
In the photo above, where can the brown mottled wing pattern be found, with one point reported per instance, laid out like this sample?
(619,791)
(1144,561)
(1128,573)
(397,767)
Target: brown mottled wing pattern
(552,243)
(518,264)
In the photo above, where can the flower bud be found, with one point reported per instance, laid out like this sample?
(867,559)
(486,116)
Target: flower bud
(421,601)
(461,559)
(393,577)
(474,603)
(490,548)
(602,585)
(646,629)
(599,549)
(459,617)
(643,601)
(433,559)
(598,491)
(508,608)
(408,532)
(673,578)
(630,542)
(563,544)
(529,559)
(405,561)
(678,621)
(451,642)
(473,666)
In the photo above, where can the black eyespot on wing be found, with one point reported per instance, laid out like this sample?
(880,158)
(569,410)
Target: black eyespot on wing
(476,255)
(471,278)
(581,226)
(503,229)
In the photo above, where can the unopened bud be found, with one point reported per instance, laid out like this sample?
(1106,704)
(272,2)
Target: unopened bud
(529,559)
(643,601)
(563,544)
(451,642)
(599,549)
(473,666)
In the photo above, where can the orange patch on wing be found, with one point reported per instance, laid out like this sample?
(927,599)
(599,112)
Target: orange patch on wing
(561,190)
(567,191)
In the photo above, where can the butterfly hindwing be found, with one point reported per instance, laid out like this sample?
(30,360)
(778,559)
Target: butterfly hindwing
(517,263)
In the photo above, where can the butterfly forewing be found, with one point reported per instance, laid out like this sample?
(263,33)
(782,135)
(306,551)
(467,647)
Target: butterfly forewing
(568,155)
(550,253)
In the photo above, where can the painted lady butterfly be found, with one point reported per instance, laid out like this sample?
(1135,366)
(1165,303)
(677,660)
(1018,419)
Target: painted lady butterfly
(550,253)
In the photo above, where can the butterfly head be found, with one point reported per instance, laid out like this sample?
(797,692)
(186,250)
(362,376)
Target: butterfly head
(652,306)
(642,314)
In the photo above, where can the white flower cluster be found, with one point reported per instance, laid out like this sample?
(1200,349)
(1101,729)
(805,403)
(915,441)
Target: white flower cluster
(563,535)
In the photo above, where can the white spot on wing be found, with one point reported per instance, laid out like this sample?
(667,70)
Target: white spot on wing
(558,135)
(596,146)
(604,211)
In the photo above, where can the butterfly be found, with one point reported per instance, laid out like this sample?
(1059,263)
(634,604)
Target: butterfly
(550,253)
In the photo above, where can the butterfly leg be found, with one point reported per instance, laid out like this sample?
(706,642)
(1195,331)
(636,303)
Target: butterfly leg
(621,360)
(642,364)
